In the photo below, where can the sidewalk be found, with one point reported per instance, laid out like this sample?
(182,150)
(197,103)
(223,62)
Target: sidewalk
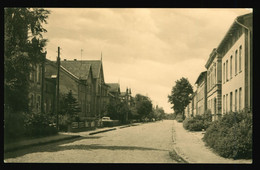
(190,147)
(37,141)
(59,137)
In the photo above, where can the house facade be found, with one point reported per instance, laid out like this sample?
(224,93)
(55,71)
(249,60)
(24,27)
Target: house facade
(214,85)
(93,91)
(201,93)
(236,52)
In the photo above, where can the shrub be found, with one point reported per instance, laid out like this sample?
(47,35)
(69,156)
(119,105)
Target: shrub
(231,136)
(179,118)
(13,125)
(198,122)
(38,124)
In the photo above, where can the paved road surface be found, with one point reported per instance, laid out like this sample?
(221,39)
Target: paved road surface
(146,143)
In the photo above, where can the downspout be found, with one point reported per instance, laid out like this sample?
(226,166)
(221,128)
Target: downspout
(249,104)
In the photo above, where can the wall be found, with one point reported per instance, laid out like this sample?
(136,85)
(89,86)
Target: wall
(237,80)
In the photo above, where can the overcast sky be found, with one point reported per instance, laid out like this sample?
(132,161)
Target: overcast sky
(145,49)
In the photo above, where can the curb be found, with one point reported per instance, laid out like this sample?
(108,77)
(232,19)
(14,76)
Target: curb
(93,133)
(39,143)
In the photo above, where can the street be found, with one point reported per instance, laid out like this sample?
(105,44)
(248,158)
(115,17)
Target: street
(145,143)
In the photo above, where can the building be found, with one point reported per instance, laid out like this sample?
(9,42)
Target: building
(235,50)
(78,82)
(37,87)
(126,96)
(194,103)
(214,79)
(91,75)
(114,91)
(201,83)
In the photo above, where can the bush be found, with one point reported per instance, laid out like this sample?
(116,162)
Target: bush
(179,118)
(198,123)
(231,136)
(193,124)
(13,125)
(38,124)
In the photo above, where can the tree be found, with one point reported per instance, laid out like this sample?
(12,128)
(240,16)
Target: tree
(180,95)
(23,47)
(143,105)
(69,105)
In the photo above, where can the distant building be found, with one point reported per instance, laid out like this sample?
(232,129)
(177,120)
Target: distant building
(201,93)
(114,91)
(194,103)
(213,67)
(126,96)
(237,60)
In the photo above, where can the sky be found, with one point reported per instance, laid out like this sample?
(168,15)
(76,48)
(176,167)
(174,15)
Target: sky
(145,49)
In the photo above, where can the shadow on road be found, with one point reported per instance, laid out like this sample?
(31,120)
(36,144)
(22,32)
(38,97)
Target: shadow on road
(59,146)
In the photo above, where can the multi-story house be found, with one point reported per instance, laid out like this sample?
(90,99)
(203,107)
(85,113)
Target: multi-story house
(237,57)
(213,66)
(194,103)
(96,84)
(36,87)
(201,83)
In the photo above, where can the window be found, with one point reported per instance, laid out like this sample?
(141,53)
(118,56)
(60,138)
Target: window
(231,95)
(227,70)
(224,72)
(240,98)
(240,56)
(224,102)
(227,102)
(38,74)
(235,100)
(231,67)
(236,62)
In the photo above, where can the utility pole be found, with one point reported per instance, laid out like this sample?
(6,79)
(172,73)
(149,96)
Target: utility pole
(58,89)
(43,84)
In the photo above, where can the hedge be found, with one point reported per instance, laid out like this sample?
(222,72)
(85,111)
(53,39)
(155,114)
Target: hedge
(231,136)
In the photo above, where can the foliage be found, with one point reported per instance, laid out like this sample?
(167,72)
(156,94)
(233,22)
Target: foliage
(158,113)
(13,125)
(180,95)
(24,45)
(231,135)
(69,106)
(198,122)
(179,118)
(38,124)
(143,105)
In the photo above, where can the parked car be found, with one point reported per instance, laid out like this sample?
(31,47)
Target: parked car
(105,119)
(107,122)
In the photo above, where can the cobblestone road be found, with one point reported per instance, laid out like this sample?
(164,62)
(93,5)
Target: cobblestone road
(146,143)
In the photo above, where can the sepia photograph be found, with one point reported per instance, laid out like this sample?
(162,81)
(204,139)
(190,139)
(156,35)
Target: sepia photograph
(128,85)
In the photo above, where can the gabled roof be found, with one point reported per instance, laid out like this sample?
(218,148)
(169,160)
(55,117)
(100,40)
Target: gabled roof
(202,74)
(114,87)
(81,68)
